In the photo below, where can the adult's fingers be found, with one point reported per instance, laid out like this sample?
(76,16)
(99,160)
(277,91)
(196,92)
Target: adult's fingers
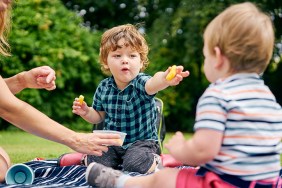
(108,139)
(47,72)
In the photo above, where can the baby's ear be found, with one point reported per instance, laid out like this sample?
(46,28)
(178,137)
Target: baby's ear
(219,57)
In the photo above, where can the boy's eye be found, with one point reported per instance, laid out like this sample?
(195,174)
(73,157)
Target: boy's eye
(116,55)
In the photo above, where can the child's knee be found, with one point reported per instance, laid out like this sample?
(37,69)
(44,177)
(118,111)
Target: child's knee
(156,165)
(2,174)
(140,163)
(4,164)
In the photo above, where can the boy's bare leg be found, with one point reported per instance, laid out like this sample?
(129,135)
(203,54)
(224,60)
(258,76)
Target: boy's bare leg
(165,178)
(105,177)
(157,164)
(5,163)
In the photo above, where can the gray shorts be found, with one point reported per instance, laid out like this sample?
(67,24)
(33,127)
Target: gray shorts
(136,158)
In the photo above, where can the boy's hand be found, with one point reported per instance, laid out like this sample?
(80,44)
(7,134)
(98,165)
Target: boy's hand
(81,99)
(80,107)
(171,74)
(179,75)
(159,81)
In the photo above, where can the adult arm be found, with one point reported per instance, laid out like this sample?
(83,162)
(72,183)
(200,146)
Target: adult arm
(33,121)
(40,78)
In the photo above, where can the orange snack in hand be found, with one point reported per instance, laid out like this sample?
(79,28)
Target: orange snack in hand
(171,73)
(119,141)
(80,99)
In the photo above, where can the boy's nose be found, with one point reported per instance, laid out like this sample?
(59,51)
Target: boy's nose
(124,60)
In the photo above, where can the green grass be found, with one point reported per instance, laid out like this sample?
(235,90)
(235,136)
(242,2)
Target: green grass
(169,135)
(23,147)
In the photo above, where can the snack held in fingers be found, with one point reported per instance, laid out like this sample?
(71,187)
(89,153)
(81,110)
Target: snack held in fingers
(171,73)
(81,99)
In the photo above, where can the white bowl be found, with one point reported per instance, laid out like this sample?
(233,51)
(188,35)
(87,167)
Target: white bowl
(122,134)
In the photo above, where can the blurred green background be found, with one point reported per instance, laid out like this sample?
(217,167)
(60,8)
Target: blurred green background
(66,35)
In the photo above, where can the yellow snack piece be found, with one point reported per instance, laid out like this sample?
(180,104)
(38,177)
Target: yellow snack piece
(81,99)
(171,73)
(120,142)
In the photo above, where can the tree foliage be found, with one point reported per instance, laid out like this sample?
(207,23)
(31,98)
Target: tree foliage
(174,31)
(183,35)
(46,33)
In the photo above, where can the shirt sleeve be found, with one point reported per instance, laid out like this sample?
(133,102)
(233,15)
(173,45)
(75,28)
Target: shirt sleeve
(139,84)
(97,100)
(211,112)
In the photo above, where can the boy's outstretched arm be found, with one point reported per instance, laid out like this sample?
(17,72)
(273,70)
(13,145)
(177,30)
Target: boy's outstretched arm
(159,82)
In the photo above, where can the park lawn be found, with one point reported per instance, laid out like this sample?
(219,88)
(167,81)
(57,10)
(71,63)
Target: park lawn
(169,135)
(23,147)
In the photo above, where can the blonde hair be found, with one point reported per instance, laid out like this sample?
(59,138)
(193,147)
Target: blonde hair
(5,7)
(132,37)
(244,35)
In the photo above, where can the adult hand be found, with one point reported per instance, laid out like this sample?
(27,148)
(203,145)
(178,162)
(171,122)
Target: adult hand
(40,78)
(94,143)
(4,4)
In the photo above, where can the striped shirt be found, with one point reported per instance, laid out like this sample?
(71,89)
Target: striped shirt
(130,110)
(244,109)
